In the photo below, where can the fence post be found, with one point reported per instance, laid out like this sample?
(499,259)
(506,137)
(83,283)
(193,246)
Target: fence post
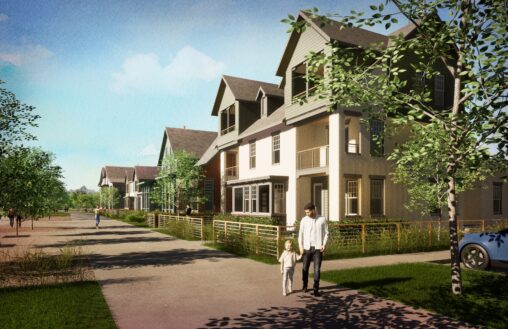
(257,239)
(483,225)
(213,232)
(278,240)
(430,234)
(398,236)
(202,229)
(225,231)
(363,238)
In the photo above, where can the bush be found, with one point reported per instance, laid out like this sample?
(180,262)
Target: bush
(247,219)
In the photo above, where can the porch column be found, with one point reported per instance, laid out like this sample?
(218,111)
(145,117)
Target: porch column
(222,182)
(334,157)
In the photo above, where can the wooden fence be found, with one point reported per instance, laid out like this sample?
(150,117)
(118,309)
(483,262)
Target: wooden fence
(349,239)
(196,224)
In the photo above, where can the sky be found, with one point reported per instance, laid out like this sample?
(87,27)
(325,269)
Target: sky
(108,76)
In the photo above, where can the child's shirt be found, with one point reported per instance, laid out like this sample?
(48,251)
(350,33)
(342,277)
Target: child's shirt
(288,258)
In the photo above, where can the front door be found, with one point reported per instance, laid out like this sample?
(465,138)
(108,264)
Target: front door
(317,197)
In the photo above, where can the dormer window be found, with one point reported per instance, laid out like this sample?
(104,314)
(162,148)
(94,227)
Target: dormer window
(227,120)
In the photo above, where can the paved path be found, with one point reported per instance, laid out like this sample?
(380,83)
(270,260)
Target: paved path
(154,281)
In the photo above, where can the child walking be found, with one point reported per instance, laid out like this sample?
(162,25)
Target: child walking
(287,267)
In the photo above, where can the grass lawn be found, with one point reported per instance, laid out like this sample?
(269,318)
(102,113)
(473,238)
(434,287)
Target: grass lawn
(71,305)
(484,300)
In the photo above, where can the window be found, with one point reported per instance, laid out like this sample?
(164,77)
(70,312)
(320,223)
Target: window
(376,138)
(299,83)
(246,199)
(497,198)
(316,75)
(238,199)
(252,155)
(351,197)
(439,88)
(276,148)
(279,198)
(419,81)
(253,198)
(208,187)
(376,197)
(264,198)
(227,120)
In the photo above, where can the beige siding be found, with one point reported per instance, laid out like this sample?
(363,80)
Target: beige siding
(478,203)
(310,40)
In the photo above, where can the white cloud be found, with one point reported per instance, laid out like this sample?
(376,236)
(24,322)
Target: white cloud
(149,150)
(26,54)
(145,73)
(3,17)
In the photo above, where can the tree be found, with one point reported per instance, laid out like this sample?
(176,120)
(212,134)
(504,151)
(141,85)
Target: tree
(467,38)
(178,181)
(30,182)
(109,196)
(15,119)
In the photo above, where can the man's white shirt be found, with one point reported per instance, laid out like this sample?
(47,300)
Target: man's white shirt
(313,232)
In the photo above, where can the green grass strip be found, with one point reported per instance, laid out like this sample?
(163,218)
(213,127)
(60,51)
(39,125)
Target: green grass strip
(72,305)
(484,300)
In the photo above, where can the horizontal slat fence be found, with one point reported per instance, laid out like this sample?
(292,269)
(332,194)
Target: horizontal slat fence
(192,226)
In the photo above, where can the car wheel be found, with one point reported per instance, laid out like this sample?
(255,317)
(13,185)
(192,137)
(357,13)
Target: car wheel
(475,256)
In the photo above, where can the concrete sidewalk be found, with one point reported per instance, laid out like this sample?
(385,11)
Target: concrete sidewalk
(154,281)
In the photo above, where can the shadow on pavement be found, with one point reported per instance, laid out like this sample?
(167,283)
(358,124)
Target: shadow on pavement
(87,242)
(334,310)
(124,280)
(104,232)
(156,258)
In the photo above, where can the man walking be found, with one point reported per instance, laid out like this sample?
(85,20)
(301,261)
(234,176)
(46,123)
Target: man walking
(312,239)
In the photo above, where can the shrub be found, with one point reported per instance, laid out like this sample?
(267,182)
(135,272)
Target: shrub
(247,219)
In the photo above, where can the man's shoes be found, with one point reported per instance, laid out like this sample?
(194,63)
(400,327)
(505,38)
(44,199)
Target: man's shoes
(304,289)
(317,293)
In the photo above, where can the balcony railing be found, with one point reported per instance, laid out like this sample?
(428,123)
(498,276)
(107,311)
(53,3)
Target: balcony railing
(232,173)
(227,130)
(353,148)
(316,157)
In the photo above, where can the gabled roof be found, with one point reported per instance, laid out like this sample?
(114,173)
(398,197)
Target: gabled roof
(270,91)
(182,139)
(114,174)
(242,89)
(209,154)
(129,174)
(265,123)
(329,30)
(146,172)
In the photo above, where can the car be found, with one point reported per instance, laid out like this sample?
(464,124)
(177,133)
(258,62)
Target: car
(482,250)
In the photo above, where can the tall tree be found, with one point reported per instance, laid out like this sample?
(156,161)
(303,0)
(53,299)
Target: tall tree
(178,181)
(15,120)
(468,40)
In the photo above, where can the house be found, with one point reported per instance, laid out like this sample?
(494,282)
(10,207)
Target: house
(195,142)
(211,184)
(138,185)
(278,154)
(114,176)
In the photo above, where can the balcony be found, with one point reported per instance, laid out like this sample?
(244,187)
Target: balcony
(316,157)
(231,173)
(227,130)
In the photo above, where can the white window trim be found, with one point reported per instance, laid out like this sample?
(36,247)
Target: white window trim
(347,197)
(249,186)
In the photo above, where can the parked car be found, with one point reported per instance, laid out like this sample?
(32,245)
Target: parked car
(481,250)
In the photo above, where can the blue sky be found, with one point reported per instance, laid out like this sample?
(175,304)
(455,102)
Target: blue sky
(108,76)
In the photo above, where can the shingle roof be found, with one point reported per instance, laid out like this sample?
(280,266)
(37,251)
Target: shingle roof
(264,123)
(146,172)
(210,152)
(242,89)
(330,30)
(273,91)
(129,174)
(189,140)
(115,174)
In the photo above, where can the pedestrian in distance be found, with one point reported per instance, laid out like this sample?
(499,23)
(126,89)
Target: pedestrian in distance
(19,218)
(188,210)
(287,261)
(97,212)
(312,238)
(11,214)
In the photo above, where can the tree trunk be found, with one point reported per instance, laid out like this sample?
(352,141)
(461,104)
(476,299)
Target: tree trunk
(454,241)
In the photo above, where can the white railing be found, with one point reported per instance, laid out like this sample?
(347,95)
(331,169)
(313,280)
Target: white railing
(316,157)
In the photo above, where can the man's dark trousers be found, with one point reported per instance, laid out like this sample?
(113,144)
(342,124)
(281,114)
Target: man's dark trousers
(316,256)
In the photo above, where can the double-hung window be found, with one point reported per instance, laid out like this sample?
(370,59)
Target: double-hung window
(376,138)
(376,197)
(352,198)
(252,155)
(276,148)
